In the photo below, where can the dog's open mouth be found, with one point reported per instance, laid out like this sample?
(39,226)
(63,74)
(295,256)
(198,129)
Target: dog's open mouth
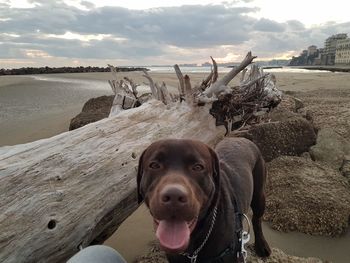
(174,234)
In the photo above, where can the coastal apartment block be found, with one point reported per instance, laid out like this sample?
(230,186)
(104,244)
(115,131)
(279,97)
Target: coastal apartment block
(330,46)
(342,55)
(336,51)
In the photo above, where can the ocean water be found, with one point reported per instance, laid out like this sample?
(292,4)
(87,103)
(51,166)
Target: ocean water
(169,69)
(62,81)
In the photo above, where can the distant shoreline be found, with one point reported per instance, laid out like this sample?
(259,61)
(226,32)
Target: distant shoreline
(327,68)
(49,70)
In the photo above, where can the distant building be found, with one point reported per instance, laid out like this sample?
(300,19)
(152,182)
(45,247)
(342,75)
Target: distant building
(330,47)
(321,57)
(312,50)
(342,54)
(299,60)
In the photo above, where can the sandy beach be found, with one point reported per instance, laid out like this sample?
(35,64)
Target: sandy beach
(34,108)
(45,104)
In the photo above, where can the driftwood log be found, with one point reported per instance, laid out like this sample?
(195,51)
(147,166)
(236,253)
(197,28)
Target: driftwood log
(75,189)
(72,190)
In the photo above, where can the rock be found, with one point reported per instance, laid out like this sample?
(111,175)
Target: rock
(277,256)
(292,136)
(290,107)
(298,104)
(291,103)
(94,109)
(287,103)
(156,256)
(345,167)
(306,155)
(330,148)
(307,197)
(289,92)
(307,114)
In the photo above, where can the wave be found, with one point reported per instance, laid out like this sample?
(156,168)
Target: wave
(79,83)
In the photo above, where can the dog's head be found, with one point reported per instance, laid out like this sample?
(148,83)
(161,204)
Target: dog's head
(179,182)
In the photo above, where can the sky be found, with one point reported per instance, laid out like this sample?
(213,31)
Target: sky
(37,33)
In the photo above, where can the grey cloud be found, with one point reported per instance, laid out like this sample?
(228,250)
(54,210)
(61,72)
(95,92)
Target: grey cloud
(267,25)
(267,43)
(8,51)
(150,32)
(87,4)
(188,26)
(271,43)
(3,6)
(50,17)
(330,28)
(234,2)
(295,25)
(108,48)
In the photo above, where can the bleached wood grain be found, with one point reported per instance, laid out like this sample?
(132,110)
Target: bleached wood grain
(82,183)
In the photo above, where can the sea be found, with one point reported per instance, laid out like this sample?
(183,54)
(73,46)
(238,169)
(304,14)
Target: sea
(186,69)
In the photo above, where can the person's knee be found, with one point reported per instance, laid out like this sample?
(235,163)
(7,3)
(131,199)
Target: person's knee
(97,254)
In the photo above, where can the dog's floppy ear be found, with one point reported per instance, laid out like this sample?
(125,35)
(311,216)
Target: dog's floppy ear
(216,167)
(139,177)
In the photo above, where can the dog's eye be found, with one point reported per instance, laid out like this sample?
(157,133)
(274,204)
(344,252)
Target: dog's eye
(154,165)
(197,167)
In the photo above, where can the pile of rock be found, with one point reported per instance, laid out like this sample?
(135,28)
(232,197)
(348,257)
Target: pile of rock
(307,196)
(306,192)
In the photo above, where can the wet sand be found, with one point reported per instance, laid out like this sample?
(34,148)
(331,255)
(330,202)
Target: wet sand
(32,109)
(134,235)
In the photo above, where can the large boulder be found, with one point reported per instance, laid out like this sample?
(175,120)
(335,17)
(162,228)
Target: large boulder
(307,197)
(291,136)
(330,148)
(287,133)
(94,109)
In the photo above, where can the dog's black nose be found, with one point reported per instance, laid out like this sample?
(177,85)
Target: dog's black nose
(174,195)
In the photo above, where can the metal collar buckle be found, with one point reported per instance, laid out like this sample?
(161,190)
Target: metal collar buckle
(243,239)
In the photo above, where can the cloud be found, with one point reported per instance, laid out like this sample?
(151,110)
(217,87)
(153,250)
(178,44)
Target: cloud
(56,29)
(267,25)
(295,25)
(185,26)
(87,4)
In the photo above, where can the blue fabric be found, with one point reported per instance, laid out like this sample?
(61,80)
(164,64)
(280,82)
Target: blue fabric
(97,254)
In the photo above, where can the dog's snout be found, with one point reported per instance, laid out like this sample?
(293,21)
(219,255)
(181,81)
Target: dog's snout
(174,194)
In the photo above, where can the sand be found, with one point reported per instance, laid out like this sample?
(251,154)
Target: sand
(31,109)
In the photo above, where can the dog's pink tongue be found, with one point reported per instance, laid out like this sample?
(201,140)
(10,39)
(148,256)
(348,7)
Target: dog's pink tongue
(173,235)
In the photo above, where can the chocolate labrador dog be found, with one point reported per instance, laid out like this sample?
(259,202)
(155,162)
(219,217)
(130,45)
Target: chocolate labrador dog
(196,196)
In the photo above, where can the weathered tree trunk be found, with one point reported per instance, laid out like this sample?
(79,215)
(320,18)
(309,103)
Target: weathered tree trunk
(76,188)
